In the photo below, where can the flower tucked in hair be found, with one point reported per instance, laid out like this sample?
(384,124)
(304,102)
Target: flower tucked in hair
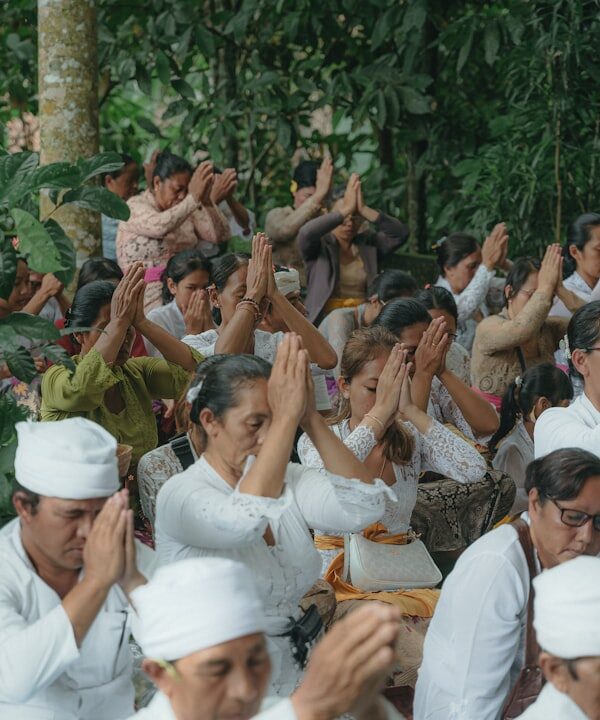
(193,393)
(518,381)
(564,346)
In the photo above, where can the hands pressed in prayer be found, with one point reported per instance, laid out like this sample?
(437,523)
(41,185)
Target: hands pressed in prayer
(128,295)
(430,355)
(550,275)
(324,179)
(201,184)
(348,667)
(224,185)
(387,393)
(348,206)
(287,387)
(495,247)
(259,269)
(197,316)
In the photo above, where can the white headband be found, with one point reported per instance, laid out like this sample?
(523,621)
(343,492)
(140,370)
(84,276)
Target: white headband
(567,608)
(195,604)
(73,459)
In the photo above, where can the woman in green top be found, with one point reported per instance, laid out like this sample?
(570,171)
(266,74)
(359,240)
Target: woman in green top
(108,386)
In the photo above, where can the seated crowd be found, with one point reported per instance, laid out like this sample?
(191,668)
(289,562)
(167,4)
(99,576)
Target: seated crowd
(296,484)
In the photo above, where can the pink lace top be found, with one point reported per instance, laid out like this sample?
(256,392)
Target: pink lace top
(153,236)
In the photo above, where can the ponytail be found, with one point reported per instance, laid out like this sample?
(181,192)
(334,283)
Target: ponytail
(509,414)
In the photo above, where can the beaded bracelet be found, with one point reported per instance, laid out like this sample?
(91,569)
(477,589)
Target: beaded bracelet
(252,307)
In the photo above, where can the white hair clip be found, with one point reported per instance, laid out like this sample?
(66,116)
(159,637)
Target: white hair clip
(193,392)
(518,381)
(564,346)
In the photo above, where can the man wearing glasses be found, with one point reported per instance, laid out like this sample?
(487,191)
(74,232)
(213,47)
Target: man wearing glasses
(475,647)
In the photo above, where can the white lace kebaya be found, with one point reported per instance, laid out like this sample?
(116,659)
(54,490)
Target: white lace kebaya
(198,514)
(439,449)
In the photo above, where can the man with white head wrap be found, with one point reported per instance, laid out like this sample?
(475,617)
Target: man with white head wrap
(63,632)
(200,623)
(567,625)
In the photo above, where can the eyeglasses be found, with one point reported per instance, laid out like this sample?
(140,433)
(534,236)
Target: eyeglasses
(577,518)
(588,350)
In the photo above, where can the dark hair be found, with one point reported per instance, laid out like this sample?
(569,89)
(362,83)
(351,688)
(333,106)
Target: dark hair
(305,173)
(402,313)
(391,284)
(583,330)
(30,498)
(221,377)
(579,234)
(435,297)
(98,268)
(544,380)
(454,248)
(168,164)
(127,160)
(518,274)
(87,303)
(179,267)
(562,474)
(222,269)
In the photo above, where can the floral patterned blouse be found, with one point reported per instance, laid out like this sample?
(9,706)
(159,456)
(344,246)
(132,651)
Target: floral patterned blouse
(153,236)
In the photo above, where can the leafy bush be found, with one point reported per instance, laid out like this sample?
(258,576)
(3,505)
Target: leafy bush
(47,249)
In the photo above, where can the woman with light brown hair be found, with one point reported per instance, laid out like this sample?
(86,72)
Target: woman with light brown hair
(396,441)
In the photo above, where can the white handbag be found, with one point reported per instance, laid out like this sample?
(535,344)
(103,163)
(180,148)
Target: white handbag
(373,567)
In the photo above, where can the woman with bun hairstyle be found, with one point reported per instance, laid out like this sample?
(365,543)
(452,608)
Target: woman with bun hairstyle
(527,397)
(176,213)
(468,271)
(581,267)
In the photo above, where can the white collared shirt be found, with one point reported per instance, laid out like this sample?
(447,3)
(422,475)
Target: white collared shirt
(475,645)
(43,674)
(514,454)
(578,285)
(577,426)
(170,318)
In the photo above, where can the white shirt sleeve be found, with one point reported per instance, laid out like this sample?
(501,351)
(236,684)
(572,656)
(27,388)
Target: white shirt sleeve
(205,517)
(32,655)
(473,296)
(510,460)
(337,504)
(557,429)
(470,650)
(449,412)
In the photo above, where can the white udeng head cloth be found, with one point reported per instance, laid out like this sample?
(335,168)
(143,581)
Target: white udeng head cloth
(287,281)
(73,459)
(567,608)
(196,604)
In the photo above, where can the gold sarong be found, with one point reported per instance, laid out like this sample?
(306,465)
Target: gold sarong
(419,602)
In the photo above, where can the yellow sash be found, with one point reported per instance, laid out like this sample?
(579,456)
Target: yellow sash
(335,303)
(418,602)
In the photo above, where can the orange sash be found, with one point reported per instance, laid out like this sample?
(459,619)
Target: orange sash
(419,602)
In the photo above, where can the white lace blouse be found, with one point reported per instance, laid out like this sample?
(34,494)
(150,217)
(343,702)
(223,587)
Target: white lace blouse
(439,450)
(484,287)
(198,514)
(442,408)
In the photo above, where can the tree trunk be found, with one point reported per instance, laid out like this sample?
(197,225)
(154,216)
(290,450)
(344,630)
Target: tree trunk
(68,104)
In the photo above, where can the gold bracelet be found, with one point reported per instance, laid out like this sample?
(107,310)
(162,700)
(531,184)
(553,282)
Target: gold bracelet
(377,420)
(249,306)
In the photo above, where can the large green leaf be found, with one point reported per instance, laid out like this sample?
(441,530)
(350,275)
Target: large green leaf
(162,68)
(14,171)
(35,242)
(98,199)
(31,327)
(99,164)
(65,248)
(8,267)
(20,363)
(56,175)
(10,415)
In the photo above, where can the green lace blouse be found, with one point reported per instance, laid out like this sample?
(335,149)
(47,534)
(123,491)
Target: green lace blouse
(141,379)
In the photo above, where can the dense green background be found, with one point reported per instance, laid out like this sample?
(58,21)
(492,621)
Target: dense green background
(458,114)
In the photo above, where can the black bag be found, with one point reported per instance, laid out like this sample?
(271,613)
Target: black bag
(303,634)
(183,450)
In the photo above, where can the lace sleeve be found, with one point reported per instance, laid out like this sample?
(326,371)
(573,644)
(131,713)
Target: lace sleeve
(448,454)
(360,441)
(458,361)
(474,294)
(448,410)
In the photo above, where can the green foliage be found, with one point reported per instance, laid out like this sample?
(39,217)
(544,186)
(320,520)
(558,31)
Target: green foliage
(47,249)
(456,114)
